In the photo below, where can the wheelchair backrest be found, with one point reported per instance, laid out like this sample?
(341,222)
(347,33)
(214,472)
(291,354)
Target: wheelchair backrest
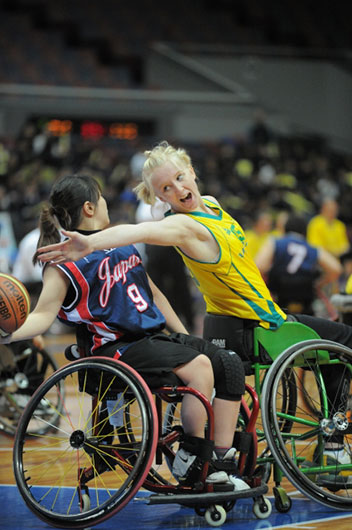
(276,341)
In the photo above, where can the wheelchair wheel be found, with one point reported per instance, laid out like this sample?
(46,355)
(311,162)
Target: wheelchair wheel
(299,452)
(94,461)
(23,368)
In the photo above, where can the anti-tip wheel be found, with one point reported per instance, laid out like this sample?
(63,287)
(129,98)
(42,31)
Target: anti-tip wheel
(262,509)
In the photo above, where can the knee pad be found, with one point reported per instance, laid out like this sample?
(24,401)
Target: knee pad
(229,375)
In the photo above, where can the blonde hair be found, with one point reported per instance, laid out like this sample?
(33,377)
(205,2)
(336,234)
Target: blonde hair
(157,157)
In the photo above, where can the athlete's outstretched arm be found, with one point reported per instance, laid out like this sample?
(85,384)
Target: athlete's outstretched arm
(75,247)
(177,230)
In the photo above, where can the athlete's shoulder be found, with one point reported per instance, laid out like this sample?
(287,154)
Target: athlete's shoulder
(211,199)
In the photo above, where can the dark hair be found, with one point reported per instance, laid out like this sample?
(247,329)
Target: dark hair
(296,223)
(64,210)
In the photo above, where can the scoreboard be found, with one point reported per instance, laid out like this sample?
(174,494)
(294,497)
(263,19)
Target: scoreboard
(95,129)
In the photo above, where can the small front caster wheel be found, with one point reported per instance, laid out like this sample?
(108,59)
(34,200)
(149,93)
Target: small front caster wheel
(262,509)
(216,515)
(283,502)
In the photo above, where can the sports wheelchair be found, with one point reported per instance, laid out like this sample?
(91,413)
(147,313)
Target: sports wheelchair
(297,418)
(112,439)
(23,367)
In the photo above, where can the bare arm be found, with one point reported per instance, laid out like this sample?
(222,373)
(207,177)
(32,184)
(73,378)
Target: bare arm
(177,230)
(49,303)
(172,321)
(264,258)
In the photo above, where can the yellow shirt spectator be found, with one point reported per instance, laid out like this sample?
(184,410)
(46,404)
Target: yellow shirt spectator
(255,242)
(326,231)
(259,233)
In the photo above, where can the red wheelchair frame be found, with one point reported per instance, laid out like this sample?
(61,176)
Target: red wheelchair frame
(135,449)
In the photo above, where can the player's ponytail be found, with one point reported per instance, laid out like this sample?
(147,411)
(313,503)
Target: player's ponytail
(64,210)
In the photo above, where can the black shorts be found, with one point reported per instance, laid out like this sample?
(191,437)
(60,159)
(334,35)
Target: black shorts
(155,356)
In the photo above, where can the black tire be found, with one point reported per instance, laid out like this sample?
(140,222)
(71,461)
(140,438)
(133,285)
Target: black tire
(60,478)
(299,452)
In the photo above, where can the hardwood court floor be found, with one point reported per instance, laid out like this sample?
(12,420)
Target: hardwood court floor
(137,515)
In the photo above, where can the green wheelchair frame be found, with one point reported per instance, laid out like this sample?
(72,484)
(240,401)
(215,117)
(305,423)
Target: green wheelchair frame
(275,342)
(295,439)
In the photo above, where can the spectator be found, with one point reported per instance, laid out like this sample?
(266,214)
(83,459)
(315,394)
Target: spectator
(259,233)
(327,231)
(23,267)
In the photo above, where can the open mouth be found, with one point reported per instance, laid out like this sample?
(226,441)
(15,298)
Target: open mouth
(187,198)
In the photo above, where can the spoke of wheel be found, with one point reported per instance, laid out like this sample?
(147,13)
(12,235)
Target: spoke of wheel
(35,467)
(100,398)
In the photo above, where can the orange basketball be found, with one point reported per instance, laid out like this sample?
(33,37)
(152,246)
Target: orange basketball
(14,303)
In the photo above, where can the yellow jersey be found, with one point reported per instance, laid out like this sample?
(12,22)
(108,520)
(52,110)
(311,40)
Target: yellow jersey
(233,284)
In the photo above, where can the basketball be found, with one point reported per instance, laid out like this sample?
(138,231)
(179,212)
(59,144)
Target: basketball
(14,303)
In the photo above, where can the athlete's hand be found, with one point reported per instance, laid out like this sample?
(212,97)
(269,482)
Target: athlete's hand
(75,247)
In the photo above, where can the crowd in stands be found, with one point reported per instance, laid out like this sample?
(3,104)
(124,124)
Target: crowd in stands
(260,173)
(258,178)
